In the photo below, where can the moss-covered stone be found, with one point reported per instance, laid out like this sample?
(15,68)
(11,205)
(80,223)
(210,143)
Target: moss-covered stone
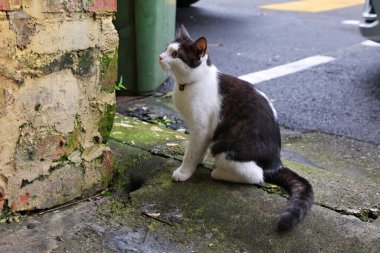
(84,63)
(108,71)
(42,64)
(132,166)
(73,140)
(334,190)
(106,122)
(97,175)
(120,209)
(3,15)
(87,62)
(144,135)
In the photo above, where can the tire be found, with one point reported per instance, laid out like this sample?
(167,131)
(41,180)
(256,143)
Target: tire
(185,3)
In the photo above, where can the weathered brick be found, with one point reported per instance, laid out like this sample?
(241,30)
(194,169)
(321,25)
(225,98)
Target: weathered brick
(52,6)
(79,5)
(6,5)
(51,106)
(73,5)
(100,5)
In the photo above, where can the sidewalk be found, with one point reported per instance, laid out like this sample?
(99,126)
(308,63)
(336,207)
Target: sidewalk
(150,213)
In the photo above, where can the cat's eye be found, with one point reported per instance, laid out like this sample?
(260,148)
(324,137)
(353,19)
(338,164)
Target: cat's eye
(175,54)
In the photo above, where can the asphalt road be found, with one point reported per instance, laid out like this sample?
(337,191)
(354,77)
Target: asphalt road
(341,97)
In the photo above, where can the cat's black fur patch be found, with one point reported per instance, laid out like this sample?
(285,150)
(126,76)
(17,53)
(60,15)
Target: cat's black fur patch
(188,54)
(247,130)
(187,51)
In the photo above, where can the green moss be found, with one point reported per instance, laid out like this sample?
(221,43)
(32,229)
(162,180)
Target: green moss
(6,210)
(106,122)
(144,135)
(31,153)
(120,209)
(41,64)
(3,15)
(153,226)
(108,71)
(24,182)
(123,167)
(73,140)
(120,176)
(106,173)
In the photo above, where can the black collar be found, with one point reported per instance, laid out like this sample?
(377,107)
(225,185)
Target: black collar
(182,86)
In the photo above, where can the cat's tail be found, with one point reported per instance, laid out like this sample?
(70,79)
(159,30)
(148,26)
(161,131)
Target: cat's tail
(301,196)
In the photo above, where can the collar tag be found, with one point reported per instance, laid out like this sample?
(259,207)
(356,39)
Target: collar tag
(182,86)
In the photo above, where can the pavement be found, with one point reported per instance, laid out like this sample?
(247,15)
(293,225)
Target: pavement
(145,211)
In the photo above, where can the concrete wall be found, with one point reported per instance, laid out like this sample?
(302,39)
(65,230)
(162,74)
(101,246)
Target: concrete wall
(58,63)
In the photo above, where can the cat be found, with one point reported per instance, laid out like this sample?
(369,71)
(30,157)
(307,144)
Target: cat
(235,120)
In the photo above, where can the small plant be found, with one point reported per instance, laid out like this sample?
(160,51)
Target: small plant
(162,121)
(106,193)
(6,212)
(119,85)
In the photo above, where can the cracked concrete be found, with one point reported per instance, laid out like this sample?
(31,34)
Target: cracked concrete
(203,215)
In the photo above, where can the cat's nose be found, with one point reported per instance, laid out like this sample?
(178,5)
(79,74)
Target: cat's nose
(160,58)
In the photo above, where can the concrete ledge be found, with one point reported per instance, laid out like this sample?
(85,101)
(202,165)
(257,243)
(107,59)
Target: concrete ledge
(148,212)
(233,216)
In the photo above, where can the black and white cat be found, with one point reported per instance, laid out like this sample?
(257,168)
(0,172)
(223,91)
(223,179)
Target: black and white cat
(235,120)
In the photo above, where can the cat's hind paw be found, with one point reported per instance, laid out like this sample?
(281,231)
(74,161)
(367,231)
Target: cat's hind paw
(179,175)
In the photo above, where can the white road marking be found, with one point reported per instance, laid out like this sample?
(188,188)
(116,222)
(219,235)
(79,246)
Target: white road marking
(351,22)
(370,43)
(286,69)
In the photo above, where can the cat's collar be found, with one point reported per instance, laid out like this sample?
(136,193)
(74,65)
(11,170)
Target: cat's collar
(182,86)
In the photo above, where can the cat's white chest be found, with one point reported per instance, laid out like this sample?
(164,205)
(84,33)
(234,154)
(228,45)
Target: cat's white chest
(199,104)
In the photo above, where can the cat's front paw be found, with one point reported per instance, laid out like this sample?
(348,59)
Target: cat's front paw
(181,175)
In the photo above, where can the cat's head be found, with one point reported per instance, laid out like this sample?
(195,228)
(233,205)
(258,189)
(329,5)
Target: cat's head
(184,55)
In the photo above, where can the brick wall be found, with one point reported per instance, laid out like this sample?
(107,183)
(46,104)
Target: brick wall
(63,5)
(57,69)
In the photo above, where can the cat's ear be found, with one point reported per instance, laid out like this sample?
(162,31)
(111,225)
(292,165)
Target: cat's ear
(182,33)
(200,45)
